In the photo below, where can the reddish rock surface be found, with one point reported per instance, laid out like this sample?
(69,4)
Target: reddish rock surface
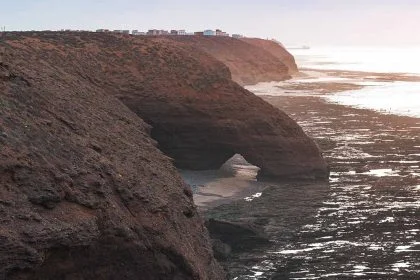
(275,49)
(84,192)
(248,63)
(200,118)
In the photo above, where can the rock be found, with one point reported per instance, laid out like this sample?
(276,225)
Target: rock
(239,236)
(199,116)
(221,250)
(84,191)
(277,50)
(248,62)
(362,169)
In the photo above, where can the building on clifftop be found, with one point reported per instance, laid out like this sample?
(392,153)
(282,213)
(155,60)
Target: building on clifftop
(209,32)
(237,36)
(137,33)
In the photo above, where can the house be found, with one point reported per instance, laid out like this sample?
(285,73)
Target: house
(156,32)
(237,36)
(209,32)
(137,33)
(221,33)
(153,32)
(182,32)
(200,33)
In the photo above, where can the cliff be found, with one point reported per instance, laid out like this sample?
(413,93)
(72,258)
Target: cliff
(248,63)
(84,191)
(199,117)
(276,50)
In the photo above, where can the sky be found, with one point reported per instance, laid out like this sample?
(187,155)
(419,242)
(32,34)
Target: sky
(293,22)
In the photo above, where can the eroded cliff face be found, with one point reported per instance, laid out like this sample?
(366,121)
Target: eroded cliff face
(276,50)
(84,192)
(200,117)
(248,63)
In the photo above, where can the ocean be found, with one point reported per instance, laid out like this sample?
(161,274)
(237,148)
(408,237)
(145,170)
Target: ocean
(366,59)
(390,77)
(364,222)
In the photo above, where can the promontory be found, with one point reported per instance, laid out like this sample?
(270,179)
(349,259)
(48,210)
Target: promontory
(92,128)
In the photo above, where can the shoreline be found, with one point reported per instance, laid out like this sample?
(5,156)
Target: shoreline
(366,75)
(235,180)
(217,188)
(371,200)
(360,90)
(212,189)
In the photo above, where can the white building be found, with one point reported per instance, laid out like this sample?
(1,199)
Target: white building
(237,36)
(153,32)
(122,31)
(221,33)
(209,32)
(137,33)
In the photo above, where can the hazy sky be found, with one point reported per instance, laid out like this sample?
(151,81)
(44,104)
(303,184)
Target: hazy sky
(313,22)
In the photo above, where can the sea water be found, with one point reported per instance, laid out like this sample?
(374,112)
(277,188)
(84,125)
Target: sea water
(365,59)
(365,224)
(400,98)
(395,97)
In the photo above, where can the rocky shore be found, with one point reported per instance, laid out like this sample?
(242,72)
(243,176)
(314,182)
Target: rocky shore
(91,129)
(363,224)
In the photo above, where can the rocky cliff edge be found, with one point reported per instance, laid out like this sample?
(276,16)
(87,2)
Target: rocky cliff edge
(84,192)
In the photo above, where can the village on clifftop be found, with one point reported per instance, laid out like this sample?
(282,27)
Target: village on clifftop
(152,32)
(157,32)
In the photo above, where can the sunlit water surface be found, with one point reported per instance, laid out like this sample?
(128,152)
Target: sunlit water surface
(368,226)
(401,98)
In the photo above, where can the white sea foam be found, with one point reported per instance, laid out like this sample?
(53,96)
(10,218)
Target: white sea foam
(400,265)
(252,197)
(381,172)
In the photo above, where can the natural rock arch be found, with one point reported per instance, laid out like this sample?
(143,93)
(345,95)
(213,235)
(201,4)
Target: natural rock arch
(262,134)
